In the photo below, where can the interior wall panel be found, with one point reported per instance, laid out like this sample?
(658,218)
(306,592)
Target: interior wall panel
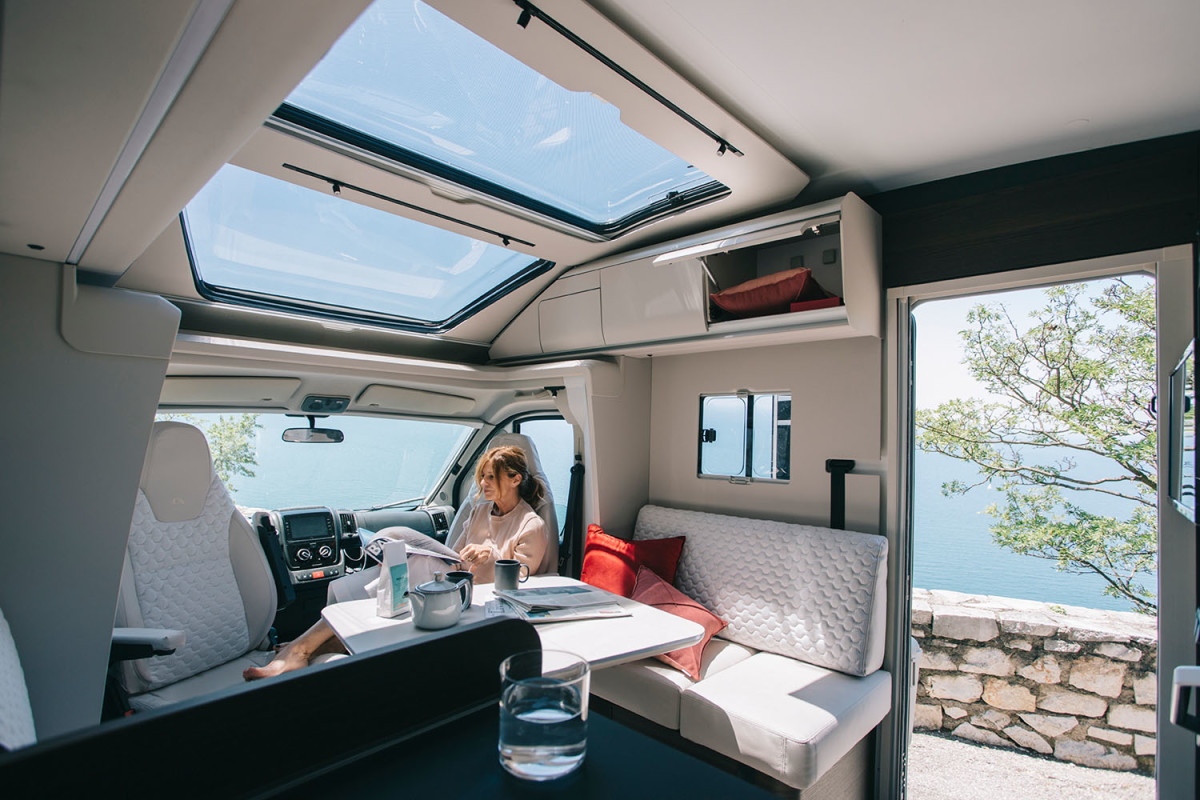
(836,389)
(622,447)
(1084,205)
(74,445)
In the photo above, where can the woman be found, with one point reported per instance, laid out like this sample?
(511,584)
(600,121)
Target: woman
(503,525)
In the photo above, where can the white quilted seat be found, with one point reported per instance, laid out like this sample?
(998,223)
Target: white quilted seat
(194,564)
(783,717)
(16,716)
(654,689)
(544,509)
(793,681)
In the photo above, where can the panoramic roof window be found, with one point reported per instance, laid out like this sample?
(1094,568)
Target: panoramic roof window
(264,241)
(410,84)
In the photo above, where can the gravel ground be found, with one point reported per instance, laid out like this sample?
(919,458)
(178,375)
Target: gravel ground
(944,768)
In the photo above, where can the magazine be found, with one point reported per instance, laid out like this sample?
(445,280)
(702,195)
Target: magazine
(556,597)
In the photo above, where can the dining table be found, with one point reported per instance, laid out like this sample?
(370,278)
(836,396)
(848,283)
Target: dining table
(646,631)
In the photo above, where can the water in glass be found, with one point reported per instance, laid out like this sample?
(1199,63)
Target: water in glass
(543,728)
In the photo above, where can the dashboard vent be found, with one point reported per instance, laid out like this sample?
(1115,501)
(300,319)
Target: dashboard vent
(439,521)
(348,524)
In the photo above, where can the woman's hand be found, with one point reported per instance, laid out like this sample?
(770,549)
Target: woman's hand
(475,554)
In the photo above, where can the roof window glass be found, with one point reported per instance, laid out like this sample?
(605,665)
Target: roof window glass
(409,83)
(265,241)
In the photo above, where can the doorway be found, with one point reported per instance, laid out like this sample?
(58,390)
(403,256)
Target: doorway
(1175,584)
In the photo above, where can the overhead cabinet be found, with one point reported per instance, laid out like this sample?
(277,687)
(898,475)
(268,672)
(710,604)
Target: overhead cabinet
(811,273)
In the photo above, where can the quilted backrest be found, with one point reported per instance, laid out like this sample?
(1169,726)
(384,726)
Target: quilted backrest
(193,564)
(16,715)
(816,594)
(544,509)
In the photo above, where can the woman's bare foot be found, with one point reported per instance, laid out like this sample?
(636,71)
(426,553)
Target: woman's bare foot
(285,660)
(296,655)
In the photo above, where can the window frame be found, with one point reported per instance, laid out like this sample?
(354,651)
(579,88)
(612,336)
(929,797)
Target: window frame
(748,475)
(290,117)
(242,297)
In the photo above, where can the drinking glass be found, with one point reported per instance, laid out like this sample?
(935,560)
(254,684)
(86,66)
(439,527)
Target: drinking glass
(543,713)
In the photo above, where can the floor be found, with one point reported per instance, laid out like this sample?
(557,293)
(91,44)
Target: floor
(945,768)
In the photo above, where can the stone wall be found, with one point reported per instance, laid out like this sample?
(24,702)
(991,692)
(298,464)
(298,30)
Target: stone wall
(1075,683)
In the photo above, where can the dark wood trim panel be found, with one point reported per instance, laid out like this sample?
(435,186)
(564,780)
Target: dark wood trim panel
(1084,205)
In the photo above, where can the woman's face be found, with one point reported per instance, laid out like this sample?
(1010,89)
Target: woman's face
(500,488)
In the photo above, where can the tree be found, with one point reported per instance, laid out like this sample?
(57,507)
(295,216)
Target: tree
(1077,380)
(231,442)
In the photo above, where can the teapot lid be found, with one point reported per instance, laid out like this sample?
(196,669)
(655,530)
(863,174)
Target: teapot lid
(438,584)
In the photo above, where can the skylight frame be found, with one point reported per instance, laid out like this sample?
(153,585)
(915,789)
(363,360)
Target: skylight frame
(218,292)
(242,297)
(328,109)
(290,118)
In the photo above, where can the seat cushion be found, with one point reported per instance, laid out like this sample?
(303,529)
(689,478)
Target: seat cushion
(216,679)
(16,715)
(651,689)
(784,717)
(654,591)
(611,563)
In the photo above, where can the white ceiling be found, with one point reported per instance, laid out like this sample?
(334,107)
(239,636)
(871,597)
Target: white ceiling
(875,95)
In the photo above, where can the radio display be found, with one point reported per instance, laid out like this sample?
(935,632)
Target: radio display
(308,526)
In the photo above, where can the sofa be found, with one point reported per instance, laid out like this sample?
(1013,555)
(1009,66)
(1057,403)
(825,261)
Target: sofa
(793,683)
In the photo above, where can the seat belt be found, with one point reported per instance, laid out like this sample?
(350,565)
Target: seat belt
(285,593)
(574,525)
(572,532)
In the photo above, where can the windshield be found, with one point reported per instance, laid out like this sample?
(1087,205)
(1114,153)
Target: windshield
(381,461)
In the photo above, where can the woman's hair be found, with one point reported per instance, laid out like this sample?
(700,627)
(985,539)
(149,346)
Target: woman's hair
(510,461)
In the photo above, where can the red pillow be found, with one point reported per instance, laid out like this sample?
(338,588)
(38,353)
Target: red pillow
(770,294)
(612,564)
(654,591)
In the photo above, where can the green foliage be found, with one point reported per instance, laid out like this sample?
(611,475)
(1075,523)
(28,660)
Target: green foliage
(231,441)
(1075,380)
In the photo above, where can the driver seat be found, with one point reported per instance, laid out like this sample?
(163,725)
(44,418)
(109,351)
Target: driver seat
(544,509)
(193,564)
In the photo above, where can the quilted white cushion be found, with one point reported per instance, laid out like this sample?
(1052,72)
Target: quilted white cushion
(214,680)
(16,716)
(815,594)
(783,717)
(184,580)
(651,689)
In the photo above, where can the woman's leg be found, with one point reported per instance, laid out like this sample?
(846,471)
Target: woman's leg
(298,653)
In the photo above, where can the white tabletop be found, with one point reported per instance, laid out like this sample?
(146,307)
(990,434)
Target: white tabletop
(602,642)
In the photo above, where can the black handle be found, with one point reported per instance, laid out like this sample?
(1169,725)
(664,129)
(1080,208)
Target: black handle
(837,469)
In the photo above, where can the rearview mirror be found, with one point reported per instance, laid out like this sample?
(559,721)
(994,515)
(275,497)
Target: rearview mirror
(314,435)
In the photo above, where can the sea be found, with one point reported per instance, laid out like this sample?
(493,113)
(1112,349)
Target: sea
(953,547)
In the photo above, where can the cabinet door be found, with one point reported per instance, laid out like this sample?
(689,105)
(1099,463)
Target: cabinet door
(644,302)
(570,322)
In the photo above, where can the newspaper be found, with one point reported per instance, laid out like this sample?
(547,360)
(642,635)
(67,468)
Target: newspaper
(555,597)
(502,608)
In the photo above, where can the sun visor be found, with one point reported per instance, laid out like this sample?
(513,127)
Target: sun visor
(200,390)
(395,398)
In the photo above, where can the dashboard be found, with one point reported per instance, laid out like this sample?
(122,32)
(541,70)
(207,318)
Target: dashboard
(319,543)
